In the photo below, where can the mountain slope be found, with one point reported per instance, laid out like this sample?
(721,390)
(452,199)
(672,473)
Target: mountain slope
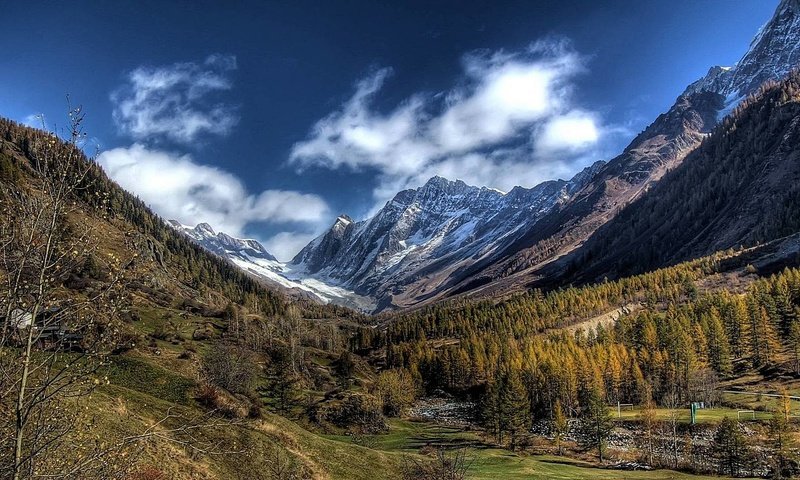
(138,363)
(422,235)
(252,258)
(740,188)
(446,238)
(661,147)
(163,262)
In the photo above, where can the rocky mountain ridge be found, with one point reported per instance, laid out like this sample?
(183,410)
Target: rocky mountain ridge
(422,231)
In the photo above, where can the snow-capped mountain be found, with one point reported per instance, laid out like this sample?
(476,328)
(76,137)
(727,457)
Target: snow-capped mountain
(423,231)
(773,53)
(554,244)
(446,237)
(253,258)
(223,244)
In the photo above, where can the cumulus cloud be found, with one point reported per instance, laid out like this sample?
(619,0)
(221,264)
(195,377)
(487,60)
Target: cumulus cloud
(285,245)
(511,120)
(177,187)
(178,102)
(571,132)
(181,103)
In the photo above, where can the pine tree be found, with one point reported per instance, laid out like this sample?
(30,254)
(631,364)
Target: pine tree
(490,410)
(765,338)
(794,343)
(719,348)
(782,440)
(596,423)
(730,447)
(560,426)
(514,407)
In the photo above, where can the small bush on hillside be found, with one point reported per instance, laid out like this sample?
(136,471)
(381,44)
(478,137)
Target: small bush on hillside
(357,413)
(231,368)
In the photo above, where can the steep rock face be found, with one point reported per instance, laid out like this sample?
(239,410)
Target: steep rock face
(773,53)
(322,249)
(424,233)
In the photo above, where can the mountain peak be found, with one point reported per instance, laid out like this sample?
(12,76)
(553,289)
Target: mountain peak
(205,228)
(438,180)
(439,185)
(441,182)
(221,243)
(773,53)
(343,219)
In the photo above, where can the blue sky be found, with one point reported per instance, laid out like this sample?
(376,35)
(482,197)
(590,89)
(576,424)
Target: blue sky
(268,119)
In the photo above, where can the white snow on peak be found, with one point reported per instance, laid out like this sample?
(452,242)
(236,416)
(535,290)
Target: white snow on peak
(250,256)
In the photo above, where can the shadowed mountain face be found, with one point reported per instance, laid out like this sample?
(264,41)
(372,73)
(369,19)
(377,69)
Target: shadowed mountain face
(739,188)
(661,147)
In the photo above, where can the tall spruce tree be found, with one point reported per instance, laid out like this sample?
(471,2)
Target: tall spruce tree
(595,423)
(730,447)
(515,416)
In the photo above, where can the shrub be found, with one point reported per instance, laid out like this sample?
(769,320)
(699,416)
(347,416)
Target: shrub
(358,413)
(230,368)
(396,391)
(208,395)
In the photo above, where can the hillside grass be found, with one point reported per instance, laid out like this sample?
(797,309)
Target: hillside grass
(142,393)
(494,464)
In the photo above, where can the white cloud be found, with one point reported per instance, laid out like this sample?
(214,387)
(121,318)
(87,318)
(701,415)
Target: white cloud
(177,187)
(510,121)
(285,245)
(176,102)
(574,131)
(180,103)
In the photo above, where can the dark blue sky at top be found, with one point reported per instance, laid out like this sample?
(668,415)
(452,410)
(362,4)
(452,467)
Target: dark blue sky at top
(297,61)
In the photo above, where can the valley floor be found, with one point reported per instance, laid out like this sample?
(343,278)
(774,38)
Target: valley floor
(141,392)
(488,462)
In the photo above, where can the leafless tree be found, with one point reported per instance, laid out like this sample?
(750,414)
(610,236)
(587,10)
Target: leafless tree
(53,344)
(294,328)
(445,465)
(672,403)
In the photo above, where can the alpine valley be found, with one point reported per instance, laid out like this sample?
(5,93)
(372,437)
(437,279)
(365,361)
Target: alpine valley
(639,320)
(447,238)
